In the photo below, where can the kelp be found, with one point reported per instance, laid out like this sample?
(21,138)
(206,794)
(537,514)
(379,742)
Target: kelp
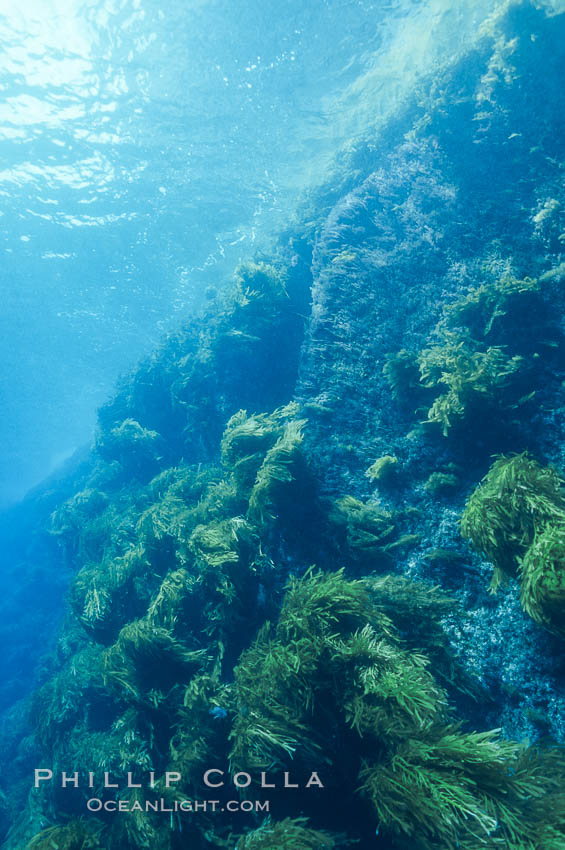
(516,519)
(467,383)
(365,529)
(199,740)
(281,466)
(383,470)
(107,595)
(91,525)
(498,308)
(514,500)
(290,833)
(78,834)
(334,660)
(170,600)
(542,578)
(137,449)
(485,350)
(248,438)
(402,373)
(259,292)
(418,611)
(441,483)
(147,662)
(352,674)
(455,789)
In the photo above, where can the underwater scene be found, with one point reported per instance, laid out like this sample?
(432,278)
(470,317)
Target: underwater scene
(282,510)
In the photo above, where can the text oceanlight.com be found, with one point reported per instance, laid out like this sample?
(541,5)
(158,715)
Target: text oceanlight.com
(175,806)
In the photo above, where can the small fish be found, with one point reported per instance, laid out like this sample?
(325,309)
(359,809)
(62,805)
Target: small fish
(218,713)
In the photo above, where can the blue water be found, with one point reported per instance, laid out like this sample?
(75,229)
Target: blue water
(145,149)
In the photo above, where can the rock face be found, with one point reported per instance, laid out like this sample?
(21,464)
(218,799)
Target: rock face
(411,321)
(466,188)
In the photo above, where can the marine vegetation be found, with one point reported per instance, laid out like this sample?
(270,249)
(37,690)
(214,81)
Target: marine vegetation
(290,833)
(187,651)
(197,636)
(136,448)
(384,470)
(79,834)
(467,383)
(486,349)
(236,355)
(441,483)
(365,530)
(419,611)
(516,519)
(403,374)
(502,309)
(334,669)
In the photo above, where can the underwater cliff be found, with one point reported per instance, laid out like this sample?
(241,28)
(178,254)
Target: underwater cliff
(322,526)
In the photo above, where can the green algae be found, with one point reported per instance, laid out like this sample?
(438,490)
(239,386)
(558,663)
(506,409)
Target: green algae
(280,467)
(79,834)
(493,308)
(137,449)
(516,519)
(402,373)
(290,833)
(365,529)
(441,483)
(515,499)
(542,578)
(485,350)
(333,660)
(467,383)
(384,469)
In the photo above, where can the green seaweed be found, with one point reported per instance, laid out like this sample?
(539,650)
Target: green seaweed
(516,519)
(107,595)
(78,834)
(334,660)
(468,383)
(147,662)
(365,529)
(247,440)
(486,345)
(445,557)
(290,834)
(490,308)
(441,483)
(516,499)
(402,373)
(418,611)
(384,469)
(259,282)
(200,738)
(137,449)
(181,652)
(454,789)
(542,578)
(282,465)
